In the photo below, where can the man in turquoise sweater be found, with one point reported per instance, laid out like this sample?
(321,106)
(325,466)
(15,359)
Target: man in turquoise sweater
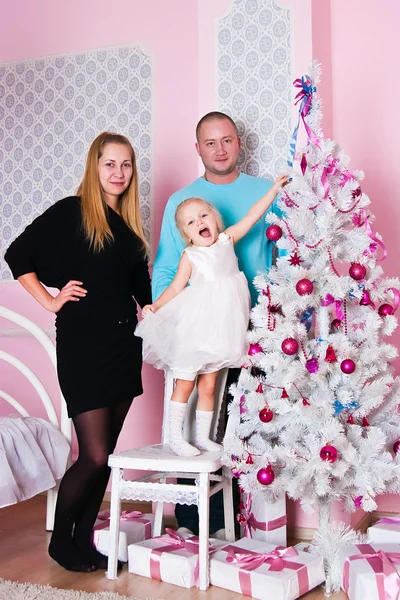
(232,193)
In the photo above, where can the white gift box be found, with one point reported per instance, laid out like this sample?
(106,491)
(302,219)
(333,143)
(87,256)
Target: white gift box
(369,571)
(172,558)
(134,526)
(262,571)
(385,531)
(263,521)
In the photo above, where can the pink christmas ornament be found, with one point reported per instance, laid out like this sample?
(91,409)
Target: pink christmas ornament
(348,366)
(385,309)
(396,447)
(273,233)
(266,415)
(336,323)
(290,346)
(266,476)
(366,299)
(254,349)
(304,287)
(357,271)
(329,453)
(312,365)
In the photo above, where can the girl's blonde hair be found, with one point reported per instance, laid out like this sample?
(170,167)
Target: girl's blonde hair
(93,204)
(184,204)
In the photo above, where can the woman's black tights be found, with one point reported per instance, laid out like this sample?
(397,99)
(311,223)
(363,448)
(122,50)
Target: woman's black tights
(82,488)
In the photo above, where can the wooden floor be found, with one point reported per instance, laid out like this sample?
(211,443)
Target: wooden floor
(24,558)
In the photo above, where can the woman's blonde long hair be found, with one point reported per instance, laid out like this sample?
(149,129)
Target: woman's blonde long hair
(93,204)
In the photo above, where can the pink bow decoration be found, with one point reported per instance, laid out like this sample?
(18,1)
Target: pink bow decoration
(387,578)
(277,559)
(126,515)
(176,542)
(249,522)
(329,299)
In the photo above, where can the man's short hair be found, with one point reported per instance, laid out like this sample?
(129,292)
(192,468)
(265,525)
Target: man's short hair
(210,117)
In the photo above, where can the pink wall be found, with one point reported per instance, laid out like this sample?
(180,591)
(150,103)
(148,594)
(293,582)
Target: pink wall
(358,46)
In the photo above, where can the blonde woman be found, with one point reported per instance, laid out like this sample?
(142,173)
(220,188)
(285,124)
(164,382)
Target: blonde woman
(92,248)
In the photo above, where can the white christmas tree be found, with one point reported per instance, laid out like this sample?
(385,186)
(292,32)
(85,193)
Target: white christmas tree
(316,411)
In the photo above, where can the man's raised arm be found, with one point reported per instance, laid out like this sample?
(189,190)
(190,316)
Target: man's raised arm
(168,254)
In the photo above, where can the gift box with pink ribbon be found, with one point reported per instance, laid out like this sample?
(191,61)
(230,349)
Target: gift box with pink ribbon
(263,521)
(264,571)
(173,558)
(134,526)
(371,571)
(385,531)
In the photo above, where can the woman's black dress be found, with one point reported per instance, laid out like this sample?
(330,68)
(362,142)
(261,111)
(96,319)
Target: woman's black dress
(99,359)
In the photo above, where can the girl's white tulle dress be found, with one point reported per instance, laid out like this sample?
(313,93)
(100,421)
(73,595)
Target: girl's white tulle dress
(203,329)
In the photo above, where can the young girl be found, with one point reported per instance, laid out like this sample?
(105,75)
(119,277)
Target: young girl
(197,330)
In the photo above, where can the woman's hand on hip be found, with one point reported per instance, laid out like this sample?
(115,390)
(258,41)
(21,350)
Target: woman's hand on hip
(71,292)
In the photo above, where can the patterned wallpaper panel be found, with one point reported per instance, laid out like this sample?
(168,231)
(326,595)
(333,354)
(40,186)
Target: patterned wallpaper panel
(51,109)
(254,81)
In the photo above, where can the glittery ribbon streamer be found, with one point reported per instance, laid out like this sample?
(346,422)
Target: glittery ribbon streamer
(396,295)
(126,515)
(387,578)
(389,520)
(250,522)
(329,299)
(304,97)
(339,407)
(176,542)
(277,559)
(358,222)
(306,317)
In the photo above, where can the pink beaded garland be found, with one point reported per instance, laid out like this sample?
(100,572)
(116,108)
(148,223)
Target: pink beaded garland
(273,233)
(357,271)
(348,366)
(266,415)
(290,346)
(304,287)
(254,349)
(329,453)
(385,309)
(266,475)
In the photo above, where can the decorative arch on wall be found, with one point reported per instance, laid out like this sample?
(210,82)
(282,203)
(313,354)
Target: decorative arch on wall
(51,109)
(254,81)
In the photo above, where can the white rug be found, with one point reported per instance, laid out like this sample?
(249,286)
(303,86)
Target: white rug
(10,590)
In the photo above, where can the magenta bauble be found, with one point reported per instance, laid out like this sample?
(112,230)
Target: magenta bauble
(385,309)
(266,476)
(366,299)
(357,271)
(396,447)
(348,366)
(304,287)
(329,453)
(290,346)
(266,415)
(273,233)
(254,349)
(336,323)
